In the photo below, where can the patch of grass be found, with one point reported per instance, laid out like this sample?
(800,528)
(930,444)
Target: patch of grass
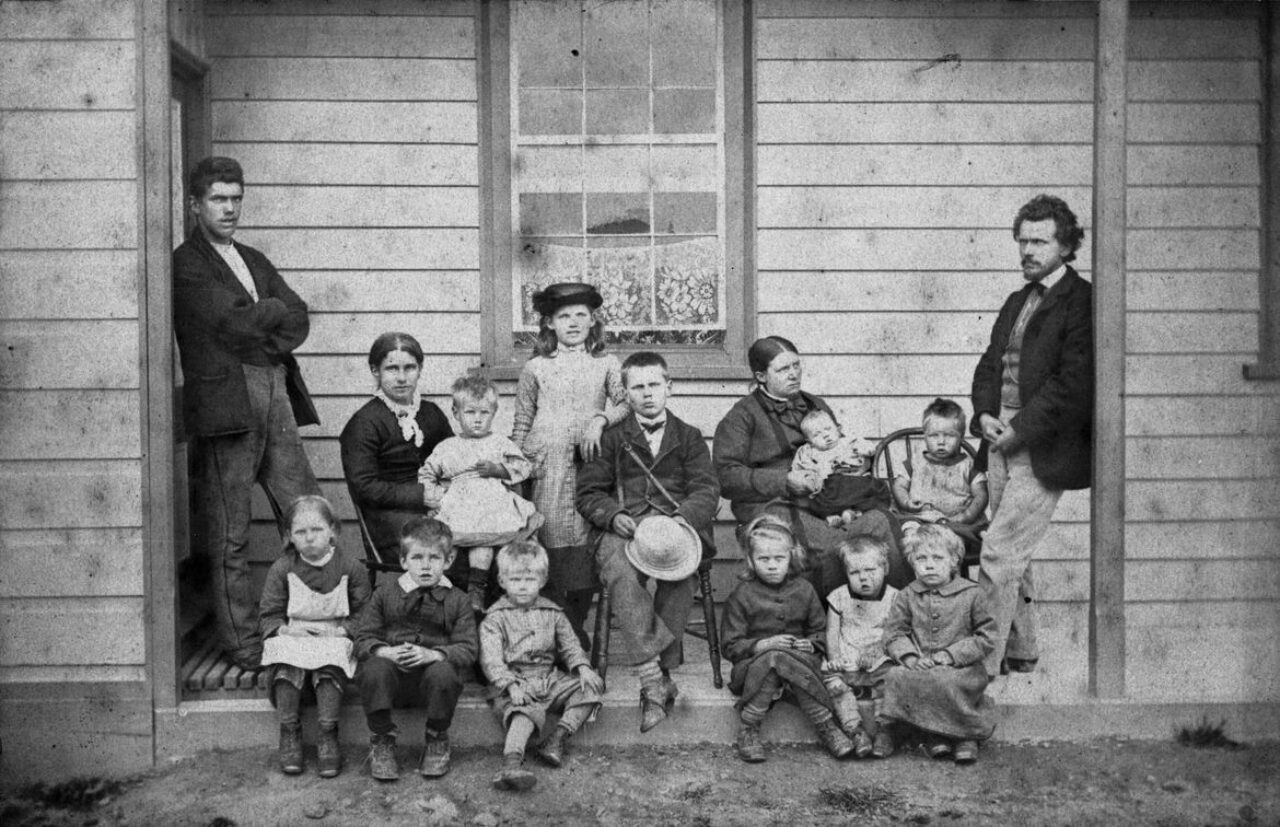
(862,801)
(75,794)
(1206,735)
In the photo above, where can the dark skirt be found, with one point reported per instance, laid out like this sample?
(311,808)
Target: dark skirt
(942,700)
(800,672)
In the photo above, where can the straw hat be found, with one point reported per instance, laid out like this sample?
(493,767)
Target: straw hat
(665,548)
(562,294)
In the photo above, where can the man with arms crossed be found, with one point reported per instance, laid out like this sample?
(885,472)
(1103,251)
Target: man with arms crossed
(1033,404)
(237,323)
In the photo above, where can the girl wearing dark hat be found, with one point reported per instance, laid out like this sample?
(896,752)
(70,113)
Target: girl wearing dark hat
(754,445)
(568,393)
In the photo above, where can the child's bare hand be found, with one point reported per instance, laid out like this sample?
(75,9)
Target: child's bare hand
(803,644)
(624,525)
(590,444)
(914,505)
(590,680)
(518,695)
(775,642)
(416,656)
(943,658)
(915,662)
(489,468)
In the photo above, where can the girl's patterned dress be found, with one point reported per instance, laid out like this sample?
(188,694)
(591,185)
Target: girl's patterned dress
(555,401)
(481,511)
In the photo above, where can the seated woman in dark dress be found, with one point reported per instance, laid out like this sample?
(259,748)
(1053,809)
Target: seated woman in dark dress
(386,441)
(753,449)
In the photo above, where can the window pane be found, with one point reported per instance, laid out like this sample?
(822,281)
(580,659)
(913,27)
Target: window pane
(686,168)
(616,43)
(547,169)
(685,212)
(550,112)
(684,111)
(615,168)
(622,272)
(551,214)
(617,213)
(547,43)
(617,111)
(684,43)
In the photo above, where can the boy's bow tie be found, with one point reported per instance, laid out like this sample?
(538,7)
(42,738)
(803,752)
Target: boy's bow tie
(652,427)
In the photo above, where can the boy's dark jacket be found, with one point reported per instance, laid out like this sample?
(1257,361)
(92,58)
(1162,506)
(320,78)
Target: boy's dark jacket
(614,482)
(437,618)
(1055,380)
(220,327)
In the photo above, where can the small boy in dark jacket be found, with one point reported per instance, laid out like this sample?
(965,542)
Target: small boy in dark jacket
(415,639)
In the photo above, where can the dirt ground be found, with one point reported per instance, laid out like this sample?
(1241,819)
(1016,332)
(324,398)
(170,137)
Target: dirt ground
(1102,782)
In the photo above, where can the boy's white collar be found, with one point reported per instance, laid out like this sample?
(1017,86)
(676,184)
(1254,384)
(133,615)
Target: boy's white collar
(408,584)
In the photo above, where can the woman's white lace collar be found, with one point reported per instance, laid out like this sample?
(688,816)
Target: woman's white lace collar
(406,416)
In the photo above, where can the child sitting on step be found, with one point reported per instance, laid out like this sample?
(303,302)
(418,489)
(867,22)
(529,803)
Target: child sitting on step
(416,638)
(939,631)
(857,663)
(309,600)
(774,631)
(534,664)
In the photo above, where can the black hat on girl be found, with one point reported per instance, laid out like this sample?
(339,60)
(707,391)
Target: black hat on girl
(555,296)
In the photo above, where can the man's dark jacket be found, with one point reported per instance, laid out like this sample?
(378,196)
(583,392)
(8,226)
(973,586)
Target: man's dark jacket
(614,482)
(1055,380)
(219,328)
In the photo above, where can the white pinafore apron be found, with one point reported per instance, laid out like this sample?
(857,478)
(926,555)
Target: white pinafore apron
(322,613)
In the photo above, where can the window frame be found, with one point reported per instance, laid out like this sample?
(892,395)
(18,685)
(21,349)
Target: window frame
(499,357)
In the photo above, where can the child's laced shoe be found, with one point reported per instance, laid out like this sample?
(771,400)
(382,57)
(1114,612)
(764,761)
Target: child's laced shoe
(749,746)
(935,746)
(435,755)
(862,744)
(551,750)
(329,754)
(513,775)
(382,757)
(657,695)
(834,739)
(882,745)
(966,752)
(290,749)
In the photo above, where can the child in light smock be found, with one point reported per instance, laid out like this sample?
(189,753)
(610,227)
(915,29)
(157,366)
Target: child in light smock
(774,631)
(940,631)
(470,473)
(534,663)
(939,483)
(309,601)
(856,613)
